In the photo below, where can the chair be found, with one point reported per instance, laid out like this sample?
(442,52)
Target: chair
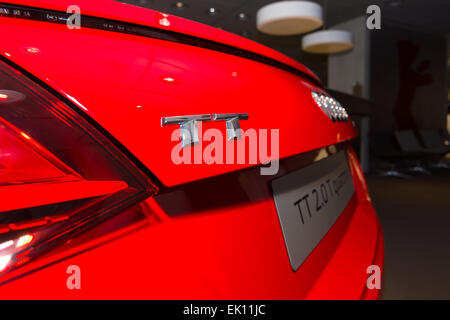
(433,141)
(383,146)
(412,148)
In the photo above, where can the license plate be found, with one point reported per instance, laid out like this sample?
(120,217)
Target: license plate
(309,201)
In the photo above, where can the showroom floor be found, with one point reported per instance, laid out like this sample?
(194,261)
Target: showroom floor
(415,215)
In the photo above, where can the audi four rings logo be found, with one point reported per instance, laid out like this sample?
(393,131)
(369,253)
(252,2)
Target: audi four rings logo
(332,108)
(189,129)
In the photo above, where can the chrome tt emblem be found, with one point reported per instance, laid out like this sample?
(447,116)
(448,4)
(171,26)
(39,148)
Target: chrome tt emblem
(188,126)
(232,121)
(189,129)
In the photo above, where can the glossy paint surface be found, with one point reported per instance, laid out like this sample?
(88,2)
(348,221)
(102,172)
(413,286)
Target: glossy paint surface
(124,12)
(219,248)
(128,83)
(235,252)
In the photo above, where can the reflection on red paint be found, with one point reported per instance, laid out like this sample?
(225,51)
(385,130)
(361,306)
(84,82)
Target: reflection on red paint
(24,253)
(21,261)
(27,225)
(6,244)
(33,50)
(57,219)
(163,20)
(23,134)
(168,79)
(24,240)
(4,260)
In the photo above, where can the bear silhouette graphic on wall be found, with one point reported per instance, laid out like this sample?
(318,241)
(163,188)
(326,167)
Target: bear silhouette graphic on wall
(412,74)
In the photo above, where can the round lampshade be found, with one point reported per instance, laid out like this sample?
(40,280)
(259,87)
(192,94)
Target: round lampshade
(289,17)
(327,41)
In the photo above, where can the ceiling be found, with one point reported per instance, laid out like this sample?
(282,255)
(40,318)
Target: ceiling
(427,15)
(239,16)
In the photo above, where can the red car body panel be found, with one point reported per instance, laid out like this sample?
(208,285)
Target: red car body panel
(221,254)
(123,12)
(115,76)
(227,251)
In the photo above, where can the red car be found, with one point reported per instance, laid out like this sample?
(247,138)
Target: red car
(95,201)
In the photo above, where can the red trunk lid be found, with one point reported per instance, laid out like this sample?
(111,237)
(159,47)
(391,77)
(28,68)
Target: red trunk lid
(127,83)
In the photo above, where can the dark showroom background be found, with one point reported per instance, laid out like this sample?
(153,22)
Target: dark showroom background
(395,84)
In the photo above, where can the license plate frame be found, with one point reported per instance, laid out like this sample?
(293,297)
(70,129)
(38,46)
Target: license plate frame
(309,201)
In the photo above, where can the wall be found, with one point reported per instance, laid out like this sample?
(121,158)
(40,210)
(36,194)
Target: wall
(353,66)
(408,79)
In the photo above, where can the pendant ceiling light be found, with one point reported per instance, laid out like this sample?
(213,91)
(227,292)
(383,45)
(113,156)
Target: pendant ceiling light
(327,41)
(289,17)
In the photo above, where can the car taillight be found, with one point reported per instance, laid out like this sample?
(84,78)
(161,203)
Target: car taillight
(59,175)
